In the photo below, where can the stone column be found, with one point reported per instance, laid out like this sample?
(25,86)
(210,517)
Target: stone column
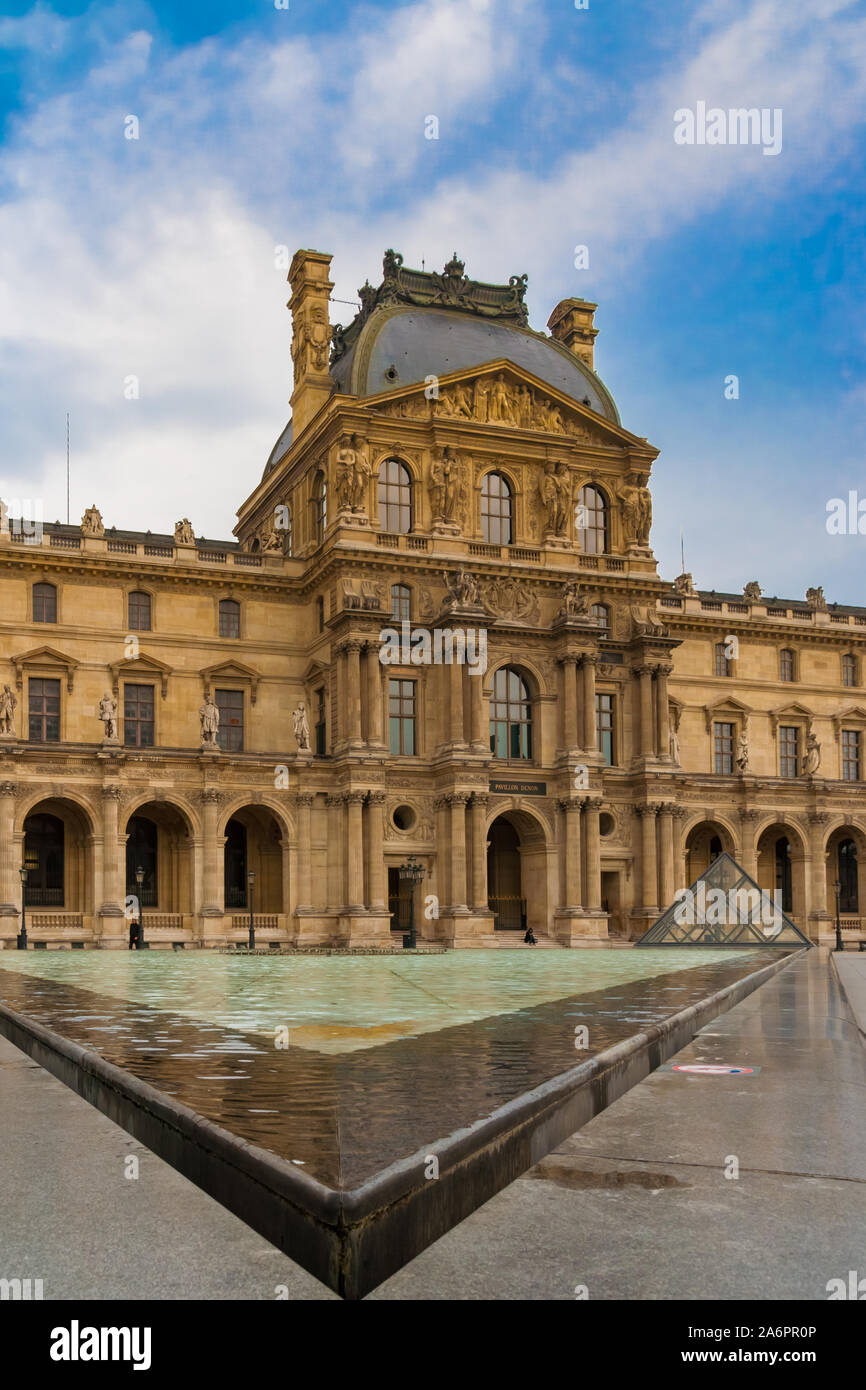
(570,808)
(649,865)
(590,741)
(355,850)
(591,808)
(213,888)
(679,814)
(352,693)
(304,803)
(335,887)
(455,703)
(457,803)
(748,856)
(663,731)
(817,904)
(645,676)
(114,872)
(570,738)
(479,736)
(10,881)
(666,844)
(376,851)
(478,816)
(375,731)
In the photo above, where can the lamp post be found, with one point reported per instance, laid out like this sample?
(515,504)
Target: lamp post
(838,889)
(251,880)
(139,880)
(411,872)
(22,935)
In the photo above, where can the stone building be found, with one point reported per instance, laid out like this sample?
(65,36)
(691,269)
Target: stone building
(447,564)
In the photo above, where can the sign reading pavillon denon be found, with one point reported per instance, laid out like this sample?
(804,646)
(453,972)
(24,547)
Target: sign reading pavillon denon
(514,786)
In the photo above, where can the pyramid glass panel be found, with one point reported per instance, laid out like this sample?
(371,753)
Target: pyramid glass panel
(724,907)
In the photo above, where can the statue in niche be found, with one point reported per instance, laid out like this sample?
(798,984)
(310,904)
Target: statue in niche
(210,722)
(742,759)
(645,515)
(354,474)
(462,588)
(812,757)
(91,523)
(183,532)
(445,485)
(8,704)
(301,728)
(674,732)
(555,490)
(108,715)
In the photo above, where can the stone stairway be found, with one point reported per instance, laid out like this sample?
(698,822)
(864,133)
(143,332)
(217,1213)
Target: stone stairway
(512,939)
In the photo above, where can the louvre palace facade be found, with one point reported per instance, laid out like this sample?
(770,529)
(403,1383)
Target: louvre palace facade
(438,633)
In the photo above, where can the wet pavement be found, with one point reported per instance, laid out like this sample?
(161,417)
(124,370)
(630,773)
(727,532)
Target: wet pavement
(344,1116)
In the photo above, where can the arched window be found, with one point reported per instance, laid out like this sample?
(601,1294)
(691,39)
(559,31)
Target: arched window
(139,611)
(319,503)
(43,859)
(784,877)
(601,613)
(715,848)
(401,603)
(786,664)
(496,509)
(723,663)
(395,497)
(510,716)
(141,853)
(849,896)
(230,618)
(44,603)
(849,669)
(593,520)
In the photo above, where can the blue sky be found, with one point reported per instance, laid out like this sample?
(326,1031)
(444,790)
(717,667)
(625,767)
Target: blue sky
(305,127)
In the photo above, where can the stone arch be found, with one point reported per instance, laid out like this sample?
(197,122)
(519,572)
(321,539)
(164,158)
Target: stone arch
(256,837)
(169,883)
(698,843)
(824,891)
(519,848)
(772,872)
(73,890)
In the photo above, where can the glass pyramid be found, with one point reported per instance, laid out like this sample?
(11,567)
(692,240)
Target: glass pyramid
(724,907)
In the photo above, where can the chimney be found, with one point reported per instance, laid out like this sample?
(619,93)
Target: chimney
(311,335)
(571,324)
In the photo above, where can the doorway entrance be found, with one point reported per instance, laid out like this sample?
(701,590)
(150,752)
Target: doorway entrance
(504,878)
(400,892)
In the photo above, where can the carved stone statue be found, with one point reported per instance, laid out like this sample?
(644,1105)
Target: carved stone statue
(645,515)
(742,759)
(183,532)
(273,541)
(462,588)
(108,715)
(210,722)
(555,492)
(684,585)
(575,603)
(8,703)
(301,728)
(816,600)
(752,591)
(446,485)
(354,472)
(91,523)
(812,757)
(674,716)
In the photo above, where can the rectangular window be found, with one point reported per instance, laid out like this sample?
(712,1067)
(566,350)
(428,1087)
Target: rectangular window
(44,603)
(230,735)
(321,727)
(723,665)
(789,751)
(401,710)
(44,710)
(230,618)
(723,747)
(138,716)
(139,612)
(604,726)
(850,755)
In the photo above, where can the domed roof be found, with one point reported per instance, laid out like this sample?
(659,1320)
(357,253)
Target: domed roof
(400,345)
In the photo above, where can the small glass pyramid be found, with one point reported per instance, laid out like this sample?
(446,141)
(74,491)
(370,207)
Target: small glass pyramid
(724,907)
